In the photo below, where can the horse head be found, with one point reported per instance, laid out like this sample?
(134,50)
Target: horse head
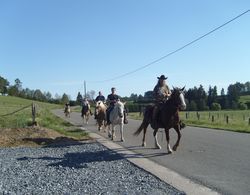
(178,97)
(100,106)
(120,107)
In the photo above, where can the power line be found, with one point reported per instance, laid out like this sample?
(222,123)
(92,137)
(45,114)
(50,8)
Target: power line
(175,51)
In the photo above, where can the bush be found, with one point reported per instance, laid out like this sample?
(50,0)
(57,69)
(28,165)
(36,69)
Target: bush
(242,106)
(216,106)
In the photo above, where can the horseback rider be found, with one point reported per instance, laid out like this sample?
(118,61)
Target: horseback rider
(66,107)
(85,106)
(161,94)
(111,100)
(100,97)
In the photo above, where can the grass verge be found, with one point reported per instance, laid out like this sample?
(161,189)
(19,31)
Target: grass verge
(45,117)
(238,121)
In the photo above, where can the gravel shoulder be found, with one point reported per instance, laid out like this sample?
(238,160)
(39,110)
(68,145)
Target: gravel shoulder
(74,168)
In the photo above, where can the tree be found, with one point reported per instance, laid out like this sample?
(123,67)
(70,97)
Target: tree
(242,106)
(65,98)
(247,86)
(216,106)
(18,84)
(91,94)
(192,106)
(79,98)
(13,91)
(222,93)
(4,83)
(48,96)
(149,95)
(133,97)
(234,92)
(38,95)
(212,96)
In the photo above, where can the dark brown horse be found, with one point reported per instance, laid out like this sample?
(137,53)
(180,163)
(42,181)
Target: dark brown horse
(167,118)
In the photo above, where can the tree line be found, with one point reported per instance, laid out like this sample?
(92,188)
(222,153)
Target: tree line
(17,90)
(198,99)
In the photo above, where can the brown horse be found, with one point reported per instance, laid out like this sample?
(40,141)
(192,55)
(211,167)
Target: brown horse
(100,112)
(86,112)
(168,117)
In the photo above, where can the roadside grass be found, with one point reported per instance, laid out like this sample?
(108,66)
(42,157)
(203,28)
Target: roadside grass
(44,116)
(238,121)
(244,98)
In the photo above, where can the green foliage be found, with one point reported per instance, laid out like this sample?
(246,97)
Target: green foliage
(215,106)
(133,107)
(44,116)
(242,106)
(4,83)
(65,99)
(79,98)
(192,106)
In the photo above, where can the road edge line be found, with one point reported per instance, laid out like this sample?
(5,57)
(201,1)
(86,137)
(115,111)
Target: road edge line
(163,173)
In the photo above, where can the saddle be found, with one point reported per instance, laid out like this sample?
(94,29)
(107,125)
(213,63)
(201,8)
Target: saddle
(156,120)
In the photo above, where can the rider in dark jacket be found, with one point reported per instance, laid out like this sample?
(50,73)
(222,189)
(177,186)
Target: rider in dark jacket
(111,100)
(100,97)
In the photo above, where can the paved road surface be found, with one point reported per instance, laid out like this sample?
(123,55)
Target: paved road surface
(217,159)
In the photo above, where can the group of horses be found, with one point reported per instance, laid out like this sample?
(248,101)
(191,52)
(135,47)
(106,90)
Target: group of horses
(167,118)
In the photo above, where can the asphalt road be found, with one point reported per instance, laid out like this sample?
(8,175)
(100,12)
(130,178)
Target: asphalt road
(217,159)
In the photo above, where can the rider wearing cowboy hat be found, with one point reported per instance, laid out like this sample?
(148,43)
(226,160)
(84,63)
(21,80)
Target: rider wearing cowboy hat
(161,94)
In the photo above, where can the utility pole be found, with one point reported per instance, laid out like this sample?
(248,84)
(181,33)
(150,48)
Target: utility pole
(85,90)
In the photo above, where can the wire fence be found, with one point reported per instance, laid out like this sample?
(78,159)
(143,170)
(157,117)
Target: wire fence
(23,108)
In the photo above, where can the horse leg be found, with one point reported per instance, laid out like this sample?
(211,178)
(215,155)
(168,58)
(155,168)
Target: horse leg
(144,135)
(87,119)
(121,131)
(168,144)
(113,132)
(177,129)
(157,145)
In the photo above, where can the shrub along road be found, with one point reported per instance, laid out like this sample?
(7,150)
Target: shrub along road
(217,159)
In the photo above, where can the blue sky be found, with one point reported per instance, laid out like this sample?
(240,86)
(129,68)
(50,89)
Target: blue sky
(54,45)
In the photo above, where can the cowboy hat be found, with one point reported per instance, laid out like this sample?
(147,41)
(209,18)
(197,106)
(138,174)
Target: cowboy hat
(162,77)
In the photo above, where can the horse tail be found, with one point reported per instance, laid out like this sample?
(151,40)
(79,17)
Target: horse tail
(146,120)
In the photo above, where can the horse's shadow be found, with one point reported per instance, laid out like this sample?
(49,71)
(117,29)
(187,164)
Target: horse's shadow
(77,160)
(54,143)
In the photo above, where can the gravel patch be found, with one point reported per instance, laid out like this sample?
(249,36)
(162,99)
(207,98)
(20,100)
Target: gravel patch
(87,168)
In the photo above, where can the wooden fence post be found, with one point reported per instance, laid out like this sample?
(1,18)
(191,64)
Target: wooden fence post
(227,119)
(212,118)
(249,121)
(186,115)
(33,110)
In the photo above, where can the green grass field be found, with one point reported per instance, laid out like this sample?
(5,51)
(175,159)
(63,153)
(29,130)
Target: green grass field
(244,98)
(237,120)
(44,116)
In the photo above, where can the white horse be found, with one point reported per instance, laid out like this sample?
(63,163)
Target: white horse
(116,117)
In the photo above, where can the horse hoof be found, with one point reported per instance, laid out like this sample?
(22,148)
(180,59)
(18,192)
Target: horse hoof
(158,147)
(143,145)
(175,148)
(170,152)
(122,140)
